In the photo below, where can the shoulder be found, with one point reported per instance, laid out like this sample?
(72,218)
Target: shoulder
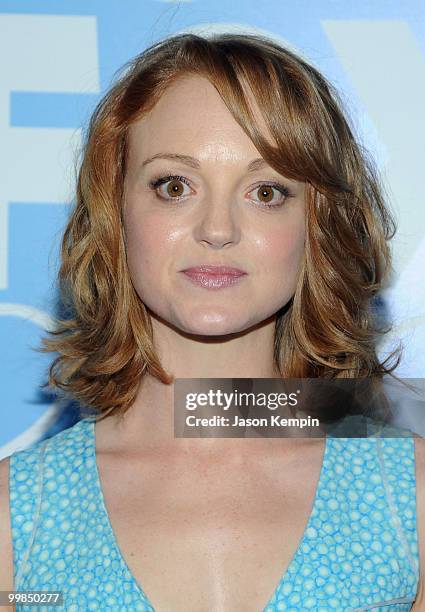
(64,445)
(420,507)
(17,468)
(6,566)
(22,467)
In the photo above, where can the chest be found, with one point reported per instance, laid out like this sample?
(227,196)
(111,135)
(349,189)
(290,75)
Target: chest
(215,537)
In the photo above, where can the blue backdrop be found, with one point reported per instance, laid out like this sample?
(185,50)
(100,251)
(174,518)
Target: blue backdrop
(58,57)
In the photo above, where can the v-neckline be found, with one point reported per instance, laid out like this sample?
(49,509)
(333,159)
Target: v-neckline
(90,429)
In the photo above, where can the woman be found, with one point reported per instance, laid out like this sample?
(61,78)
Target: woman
(229,152)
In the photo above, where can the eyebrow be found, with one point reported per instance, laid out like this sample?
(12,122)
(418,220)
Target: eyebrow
(256,164)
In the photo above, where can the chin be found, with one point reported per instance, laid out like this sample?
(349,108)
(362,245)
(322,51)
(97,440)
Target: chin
(218,326)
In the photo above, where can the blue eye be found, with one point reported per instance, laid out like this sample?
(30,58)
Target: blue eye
(176,192)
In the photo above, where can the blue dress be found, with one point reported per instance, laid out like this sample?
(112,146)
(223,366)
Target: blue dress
(359,550)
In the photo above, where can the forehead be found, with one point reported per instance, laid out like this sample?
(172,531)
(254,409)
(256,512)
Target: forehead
(191,115)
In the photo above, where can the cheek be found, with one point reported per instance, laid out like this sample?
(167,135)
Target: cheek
(282,250)
(149,241)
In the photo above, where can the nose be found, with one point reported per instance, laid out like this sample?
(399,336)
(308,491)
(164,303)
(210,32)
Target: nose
(218,225)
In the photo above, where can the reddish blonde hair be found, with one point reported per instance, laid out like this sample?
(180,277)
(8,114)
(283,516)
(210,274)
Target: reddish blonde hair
(329,328)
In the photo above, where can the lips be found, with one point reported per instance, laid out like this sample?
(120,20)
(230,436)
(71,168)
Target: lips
(214,277)
(215,270)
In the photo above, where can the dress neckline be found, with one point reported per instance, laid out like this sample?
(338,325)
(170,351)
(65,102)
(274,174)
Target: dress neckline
(90,430)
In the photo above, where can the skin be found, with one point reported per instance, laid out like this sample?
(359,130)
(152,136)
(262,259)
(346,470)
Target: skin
(221,219)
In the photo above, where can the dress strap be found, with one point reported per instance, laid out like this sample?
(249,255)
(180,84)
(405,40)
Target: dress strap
(26,467)
(399,481)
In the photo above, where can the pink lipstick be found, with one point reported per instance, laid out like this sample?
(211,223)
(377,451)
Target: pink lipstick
(214,277)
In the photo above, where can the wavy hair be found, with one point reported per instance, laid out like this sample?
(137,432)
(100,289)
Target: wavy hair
(329,328)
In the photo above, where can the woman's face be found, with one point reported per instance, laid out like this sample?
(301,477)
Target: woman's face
(215,212)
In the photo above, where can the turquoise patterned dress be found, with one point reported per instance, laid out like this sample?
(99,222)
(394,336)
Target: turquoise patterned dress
(359,550)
